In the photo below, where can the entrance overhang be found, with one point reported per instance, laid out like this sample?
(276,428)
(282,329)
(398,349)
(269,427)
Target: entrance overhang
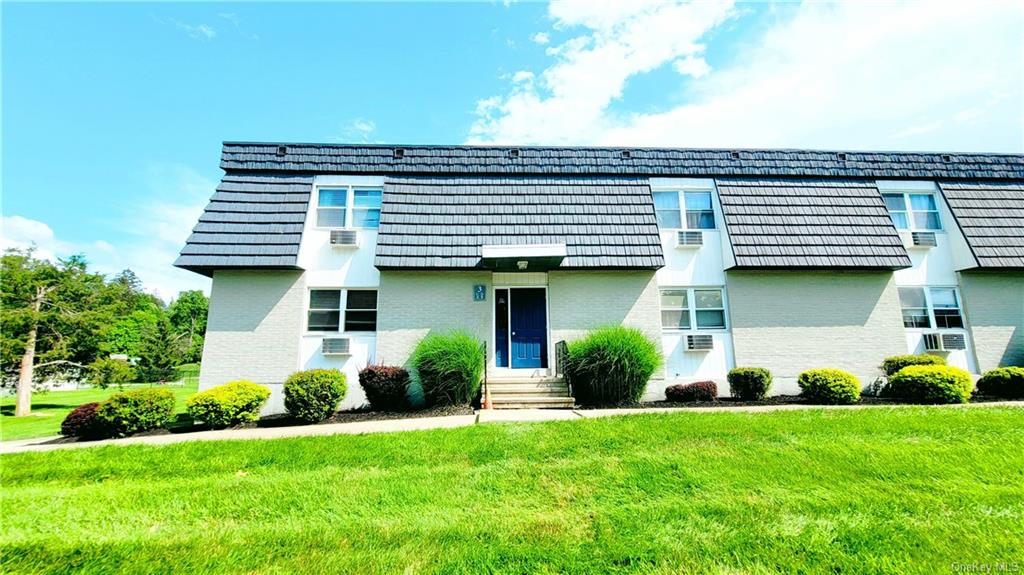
(523,257)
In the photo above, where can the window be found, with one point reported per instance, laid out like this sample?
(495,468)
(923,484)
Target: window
(334,205)
(697,207)
(325,310)
(361,310)
(924,308)
(706,312)
(913,211)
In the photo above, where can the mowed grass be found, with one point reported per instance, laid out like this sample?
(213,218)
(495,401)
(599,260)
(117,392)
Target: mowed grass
(880,490)
(50,407)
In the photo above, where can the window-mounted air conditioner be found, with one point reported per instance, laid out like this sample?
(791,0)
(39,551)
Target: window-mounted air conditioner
(344,238)
(925,240)
(689,239)
(699,343)
(944,341)
(335,346)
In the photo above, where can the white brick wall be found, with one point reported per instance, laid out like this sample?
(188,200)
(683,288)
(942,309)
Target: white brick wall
(581,301)
(994,306)
(789,322)
(254,327)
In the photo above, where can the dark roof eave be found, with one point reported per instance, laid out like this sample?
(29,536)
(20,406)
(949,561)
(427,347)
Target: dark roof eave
(208,270)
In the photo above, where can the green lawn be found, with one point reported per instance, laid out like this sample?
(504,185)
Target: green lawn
(49,408)
(881,490)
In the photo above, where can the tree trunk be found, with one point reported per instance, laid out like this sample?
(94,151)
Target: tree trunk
(23,406)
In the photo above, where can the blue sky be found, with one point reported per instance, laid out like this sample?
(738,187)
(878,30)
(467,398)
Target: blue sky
(113,114)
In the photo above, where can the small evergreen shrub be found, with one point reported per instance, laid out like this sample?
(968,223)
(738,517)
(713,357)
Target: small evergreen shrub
(386,387)
(749,383)
(104,372)
(931,384)
(830,386)
(1003,382)
(449,367)
(697,391)
(313,395)
(233,403)
(131,412)
(611,365)
(897,362)
(83,422)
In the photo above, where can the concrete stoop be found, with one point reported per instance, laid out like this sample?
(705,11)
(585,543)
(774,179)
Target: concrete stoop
(530,393)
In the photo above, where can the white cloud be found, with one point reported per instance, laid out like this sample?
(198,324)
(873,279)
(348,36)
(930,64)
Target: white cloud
(541,38)
(569,99)
(197,31)
(917,75)
(357,130)
(157,229)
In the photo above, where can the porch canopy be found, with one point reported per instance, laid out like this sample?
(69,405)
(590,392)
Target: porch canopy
(522,257)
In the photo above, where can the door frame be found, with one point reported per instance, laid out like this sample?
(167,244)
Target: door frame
(492,361)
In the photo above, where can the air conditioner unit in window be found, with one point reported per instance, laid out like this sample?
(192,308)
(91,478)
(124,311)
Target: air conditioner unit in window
(951,341)
(344,238)
(699,342)
(923,239)
(335,346)
(689,239)
(932,342)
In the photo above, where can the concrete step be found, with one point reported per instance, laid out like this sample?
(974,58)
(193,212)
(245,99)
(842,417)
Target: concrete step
(529,388)
(513,380)
(528,401)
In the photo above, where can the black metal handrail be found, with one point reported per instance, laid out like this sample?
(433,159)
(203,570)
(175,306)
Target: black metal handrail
(485,398)
(561,357)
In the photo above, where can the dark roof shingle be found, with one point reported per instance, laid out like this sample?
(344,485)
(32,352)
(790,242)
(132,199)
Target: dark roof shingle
(991,216)
(775,223)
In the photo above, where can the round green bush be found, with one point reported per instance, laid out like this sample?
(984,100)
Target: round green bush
(891,365)
(386,387)
(749,383)
(1003,382)
(931,384)
(233,403)
(830,386)
(449,367)
(136,411)
(313,395)
(611,365)
(83,422)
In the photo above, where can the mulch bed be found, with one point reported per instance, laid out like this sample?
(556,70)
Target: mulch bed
(773,400)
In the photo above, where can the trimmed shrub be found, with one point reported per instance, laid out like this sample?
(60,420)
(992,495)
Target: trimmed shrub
(611,365)
(697,391)
(449,367)
(104,372)
(931,384)
(386,387)
(83,422)
(749,383)
(831,386)
(233,403)
(313,395)
(897,362)
(136,411)
(1003,382)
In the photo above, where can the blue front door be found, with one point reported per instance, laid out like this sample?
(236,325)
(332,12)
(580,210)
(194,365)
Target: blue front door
(529,328)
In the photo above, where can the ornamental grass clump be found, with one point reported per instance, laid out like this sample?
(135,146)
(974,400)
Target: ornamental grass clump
(1005,382)
(136,411)
(611,365)
(313,395)
(829,386)
(893,364)
(749,383)
(449,367)
(931,384)
(386,387)
(233,403)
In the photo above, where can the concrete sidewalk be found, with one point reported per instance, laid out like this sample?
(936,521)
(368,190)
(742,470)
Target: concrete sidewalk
(410,424)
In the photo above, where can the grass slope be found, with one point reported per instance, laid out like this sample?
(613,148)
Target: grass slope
(908,489)
(49,408)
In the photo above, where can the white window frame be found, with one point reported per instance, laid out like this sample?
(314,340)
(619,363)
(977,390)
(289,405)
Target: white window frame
(681,192)
(691,301)
(930,308)
(342,308)
(350,207)
(909,211)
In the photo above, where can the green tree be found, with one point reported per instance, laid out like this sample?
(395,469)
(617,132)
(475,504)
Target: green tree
(187,315)
(160,352)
